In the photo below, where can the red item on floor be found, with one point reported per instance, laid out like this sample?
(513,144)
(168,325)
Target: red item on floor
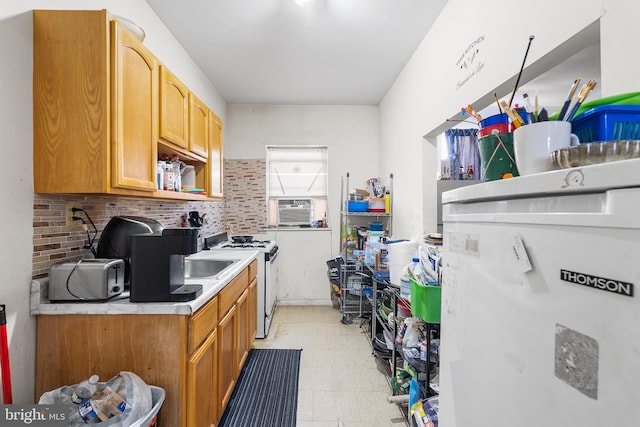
(4,358)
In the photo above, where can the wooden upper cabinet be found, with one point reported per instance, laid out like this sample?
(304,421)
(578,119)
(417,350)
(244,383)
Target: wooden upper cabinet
(70,102)
(214,163)
(174,109)
(198,126)
(95,106)
(104,107)
(134,112)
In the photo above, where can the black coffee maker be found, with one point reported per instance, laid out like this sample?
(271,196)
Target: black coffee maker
(157,266)
(114,241)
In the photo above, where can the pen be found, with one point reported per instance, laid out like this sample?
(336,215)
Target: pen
(584,92)
(572,92)
(528,108)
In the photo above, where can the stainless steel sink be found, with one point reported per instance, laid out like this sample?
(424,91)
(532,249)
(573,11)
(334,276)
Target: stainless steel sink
(197,268)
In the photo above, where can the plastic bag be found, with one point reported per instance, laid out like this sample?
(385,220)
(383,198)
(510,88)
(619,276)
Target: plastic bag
(135,392)
(411,335)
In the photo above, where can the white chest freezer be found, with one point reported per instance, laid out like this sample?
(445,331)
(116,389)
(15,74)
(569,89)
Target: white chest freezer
(541,313)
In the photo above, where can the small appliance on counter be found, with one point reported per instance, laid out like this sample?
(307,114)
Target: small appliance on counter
(157,266)
(90,280)
(114,240)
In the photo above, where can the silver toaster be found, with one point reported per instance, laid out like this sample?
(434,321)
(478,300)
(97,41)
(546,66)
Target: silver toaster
(92,280)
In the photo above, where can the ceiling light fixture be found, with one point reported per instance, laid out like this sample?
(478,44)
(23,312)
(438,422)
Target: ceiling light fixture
(301,3)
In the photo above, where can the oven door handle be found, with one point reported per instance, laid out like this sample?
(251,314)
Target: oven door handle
(273,257)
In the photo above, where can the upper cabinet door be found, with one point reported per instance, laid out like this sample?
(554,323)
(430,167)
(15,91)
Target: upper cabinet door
(199,126)
(174,109)
(214,164)
(70,102)
(134,112)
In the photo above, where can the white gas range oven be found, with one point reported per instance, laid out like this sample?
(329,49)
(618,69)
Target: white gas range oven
(267,271)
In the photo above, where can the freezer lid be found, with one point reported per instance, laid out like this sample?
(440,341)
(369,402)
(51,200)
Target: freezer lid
(585,179)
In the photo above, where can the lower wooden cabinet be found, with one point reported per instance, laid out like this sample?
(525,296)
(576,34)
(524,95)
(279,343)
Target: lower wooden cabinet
(70,348)
(194,358)
(253,310)
(227,351)
(235,332)
(202,396)
(243,344)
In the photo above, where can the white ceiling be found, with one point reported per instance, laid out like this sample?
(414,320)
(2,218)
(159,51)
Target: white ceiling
(277,52)
(329,51)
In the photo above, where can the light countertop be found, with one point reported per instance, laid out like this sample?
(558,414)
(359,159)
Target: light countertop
(121,305)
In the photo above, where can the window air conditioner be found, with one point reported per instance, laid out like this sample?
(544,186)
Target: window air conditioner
(295,211)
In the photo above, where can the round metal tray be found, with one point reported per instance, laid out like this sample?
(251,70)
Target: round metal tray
(594,153)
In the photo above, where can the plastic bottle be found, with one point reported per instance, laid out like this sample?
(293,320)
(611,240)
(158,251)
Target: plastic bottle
(177,178)
(384,255)
(85,389)
(415,270)
(405,284)
(177,175)
(169,176)
(160,175)
(90,413)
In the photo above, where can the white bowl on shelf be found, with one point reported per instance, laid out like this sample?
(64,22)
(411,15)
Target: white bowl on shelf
(132,27)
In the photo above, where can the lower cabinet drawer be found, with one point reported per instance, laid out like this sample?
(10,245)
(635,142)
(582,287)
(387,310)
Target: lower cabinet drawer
(230,294)
(202,323)
(253,269)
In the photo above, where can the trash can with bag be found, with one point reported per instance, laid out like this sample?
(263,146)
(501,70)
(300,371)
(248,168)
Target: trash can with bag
(123,401)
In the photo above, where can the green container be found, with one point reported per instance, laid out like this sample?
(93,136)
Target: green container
(425,301)
(496,155)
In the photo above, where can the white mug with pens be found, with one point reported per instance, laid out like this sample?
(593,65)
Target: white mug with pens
(534,143)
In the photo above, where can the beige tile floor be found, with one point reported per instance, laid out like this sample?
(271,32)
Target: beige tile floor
(340,384)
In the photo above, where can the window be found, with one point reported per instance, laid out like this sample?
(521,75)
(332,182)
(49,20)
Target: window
(296,184)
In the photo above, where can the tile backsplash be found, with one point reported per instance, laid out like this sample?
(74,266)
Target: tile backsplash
(245,190)
(243,211)
(54,241)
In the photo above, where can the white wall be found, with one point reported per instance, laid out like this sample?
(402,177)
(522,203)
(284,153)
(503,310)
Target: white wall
(618,41)
(427,92)
(351,135)
(433,87)
(16,193)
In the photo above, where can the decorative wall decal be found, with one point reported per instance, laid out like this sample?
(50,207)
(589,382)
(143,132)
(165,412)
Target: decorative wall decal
(469,63)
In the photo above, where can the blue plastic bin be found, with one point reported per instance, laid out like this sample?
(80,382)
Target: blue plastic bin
(358,205)
(608,123)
